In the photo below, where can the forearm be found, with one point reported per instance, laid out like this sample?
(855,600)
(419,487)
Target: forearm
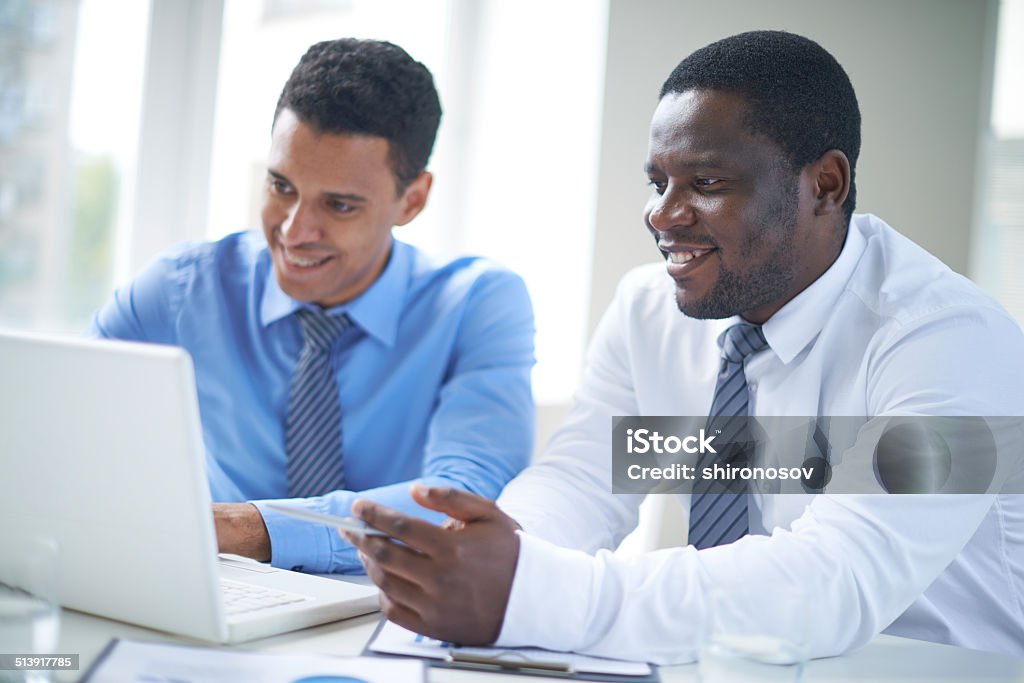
(299,545)
(863,560)
(569,508)
(566,496)
(241,531)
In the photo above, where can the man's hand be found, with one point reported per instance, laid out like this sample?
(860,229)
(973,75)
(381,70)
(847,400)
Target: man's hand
(450,582)
(240,530)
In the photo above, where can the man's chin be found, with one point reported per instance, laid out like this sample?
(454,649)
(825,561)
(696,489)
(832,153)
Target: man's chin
(295,290)
(701,308)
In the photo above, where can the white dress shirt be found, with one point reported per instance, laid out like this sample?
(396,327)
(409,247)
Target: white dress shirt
(887,330)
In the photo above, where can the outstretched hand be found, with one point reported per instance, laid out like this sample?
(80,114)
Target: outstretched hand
(450,582)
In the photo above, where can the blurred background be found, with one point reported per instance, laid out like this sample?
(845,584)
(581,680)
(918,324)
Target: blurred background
(129,125)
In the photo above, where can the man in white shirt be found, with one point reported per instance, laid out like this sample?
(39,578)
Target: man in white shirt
(752,153)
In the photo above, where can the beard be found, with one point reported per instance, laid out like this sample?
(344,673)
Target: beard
(766,282)
(734,292)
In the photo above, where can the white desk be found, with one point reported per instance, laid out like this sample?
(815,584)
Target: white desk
(886,660)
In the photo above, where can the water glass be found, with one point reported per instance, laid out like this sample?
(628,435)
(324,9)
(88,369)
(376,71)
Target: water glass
(757,636)
(29,612)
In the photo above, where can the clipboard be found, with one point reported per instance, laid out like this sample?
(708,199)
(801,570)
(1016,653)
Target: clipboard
(137,660)
(512,661)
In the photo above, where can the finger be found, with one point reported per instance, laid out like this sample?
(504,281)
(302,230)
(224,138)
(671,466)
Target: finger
(400,590)
(391,557)
(400,614)
(412,531)
(460,505)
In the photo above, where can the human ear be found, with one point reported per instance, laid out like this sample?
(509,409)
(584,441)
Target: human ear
(414,198)
(831,176)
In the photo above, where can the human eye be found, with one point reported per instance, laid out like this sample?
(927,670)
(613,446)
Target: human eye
(341,206)
(658,185)
(278,185)
(706,183)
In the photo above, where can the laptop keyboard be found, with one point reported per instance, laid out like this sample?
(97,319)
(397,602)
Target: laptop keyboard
(247,597)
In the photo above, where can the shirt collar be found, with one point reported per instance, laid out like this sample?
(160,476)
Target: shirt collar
(796,324)
(377,310)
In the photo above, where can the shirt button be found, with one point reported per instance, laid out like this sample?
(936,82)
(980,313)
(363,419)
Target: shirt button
(753,387)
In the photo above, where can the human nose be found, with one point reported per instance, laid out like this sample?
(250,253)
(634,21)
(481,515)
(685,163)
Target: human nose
(299,225)
(669,210)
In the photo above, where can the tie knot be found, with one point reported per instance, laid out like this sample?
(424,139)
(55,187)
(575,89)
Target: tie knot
(742,340)
(319,330)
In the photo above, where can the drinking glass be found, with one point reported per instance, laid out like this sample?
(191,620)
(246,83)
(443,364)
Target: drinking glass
(743,643)
(29,612)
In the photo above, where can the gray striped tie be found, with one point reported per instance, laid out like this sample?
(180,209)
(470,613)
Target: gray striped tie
(718,517)
(312,435)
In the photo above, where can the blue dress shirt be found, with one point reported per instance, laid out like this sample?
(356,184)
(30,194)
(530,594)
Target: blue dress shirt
(433,379)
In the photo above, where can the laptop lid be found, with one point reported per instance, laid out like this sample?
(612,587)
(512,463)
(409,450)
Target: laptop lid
(102,450)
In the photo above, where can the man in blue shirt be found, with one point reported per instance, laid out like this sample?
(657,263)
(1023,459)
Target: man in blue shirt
(428,364)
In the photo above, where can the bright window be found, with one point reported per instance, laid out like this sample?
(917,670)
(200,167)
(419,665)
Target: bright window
(69,107)
(999,249)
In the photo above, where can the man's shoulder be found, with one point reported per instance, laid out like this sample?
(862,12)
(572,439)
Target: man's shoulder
(235,252)
(645,280)
(648,292)
(479,299)
(455,276)
(900,281)
(645,312)
(930,339)
(204,276)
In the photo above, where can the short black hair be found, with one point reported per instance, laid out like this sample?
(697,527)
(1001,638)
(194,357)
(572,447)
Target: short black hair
(368,87)
(797,94)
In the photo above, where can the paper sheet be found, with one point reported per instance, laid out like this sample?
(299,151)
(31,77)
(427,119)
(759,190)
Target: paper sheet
(138,662)
(394,639)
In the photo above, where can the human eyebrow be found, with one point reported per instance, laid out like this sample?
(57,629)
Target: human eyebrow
(330,196)
(345,197)
(705,162)
(709,162)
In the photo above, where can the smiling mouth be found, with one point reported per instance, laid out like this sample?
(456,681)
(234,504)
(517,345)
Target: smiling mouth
(297,261)
(680,257)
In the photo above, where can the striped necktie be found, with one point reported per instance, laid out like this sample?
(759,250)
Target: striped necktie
(718,517)
(312,435)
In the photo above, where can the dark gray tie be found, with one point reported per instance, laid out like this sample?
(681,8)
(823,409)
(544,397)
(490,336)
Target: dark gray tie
(312,435)
(718,516)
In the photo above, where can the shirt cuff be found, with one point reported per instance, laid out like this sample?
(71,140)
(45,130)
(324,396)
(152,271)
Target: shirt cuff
(549,605)
(295,544)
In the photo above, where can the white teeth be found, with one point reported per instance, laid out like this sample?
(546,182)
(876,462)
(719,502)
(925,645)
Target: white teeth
(684,256)
(302,262)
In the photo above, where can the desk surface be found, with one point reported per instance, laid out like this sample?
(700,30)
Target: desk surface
(886,659)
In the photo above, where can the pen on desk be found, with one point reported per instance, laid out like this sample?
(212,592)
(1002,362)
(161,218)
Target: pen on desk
(349,524)
(503,661)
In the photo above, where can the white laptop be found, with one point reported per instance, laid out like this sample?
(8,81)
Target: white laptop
(101,448)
